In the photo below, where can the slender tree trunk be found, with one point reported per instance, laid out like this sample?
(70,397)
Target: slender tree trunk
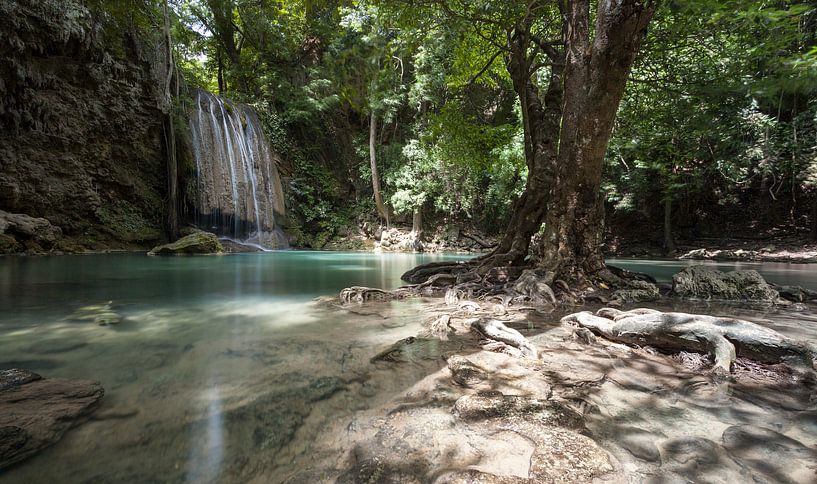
(814,219)
(669,243)
(169,128)
(540,119)
(417,222)
(378,196)
(221,86)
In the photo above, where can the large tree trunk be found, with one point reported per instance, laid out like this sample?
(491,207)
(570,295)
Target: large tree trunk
(595,76)
(378,196)
(540,118)
(566,135)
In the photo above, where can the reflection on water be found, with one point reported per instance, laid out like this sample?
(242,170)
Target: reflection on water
(211,365)
(222,369)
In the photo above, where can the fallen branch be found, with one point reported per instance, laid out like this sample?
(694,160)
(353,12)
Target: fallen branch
(723,338)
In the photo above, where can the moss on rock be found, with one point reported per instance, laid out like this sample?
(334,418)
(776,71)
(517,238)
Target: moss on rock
(195,243)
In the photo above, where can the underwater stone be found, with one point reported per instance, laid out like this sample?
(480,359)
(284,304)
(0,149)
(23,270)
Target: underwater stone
(36,412)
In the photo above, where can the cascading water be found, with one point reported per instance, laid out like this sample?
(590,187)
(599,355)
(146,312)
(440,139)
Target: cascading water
(239,191)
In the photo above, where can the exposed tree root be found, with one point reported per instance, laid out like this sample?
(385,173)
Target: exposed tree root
(723,338)
(497,331)
(361,295)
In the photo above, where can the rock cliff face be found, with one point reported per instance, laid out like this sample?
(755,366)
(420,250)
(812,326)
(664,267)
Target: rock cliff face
(80,126)
(238,189)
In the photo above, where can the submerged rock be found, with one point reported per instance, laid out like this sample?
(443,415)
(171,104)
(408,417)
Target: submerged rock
(36,412)
(705,283)
(195,243)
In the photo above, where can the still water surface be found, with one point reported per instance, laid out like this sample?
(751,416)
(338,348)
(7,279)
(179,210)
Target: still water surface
(223,369)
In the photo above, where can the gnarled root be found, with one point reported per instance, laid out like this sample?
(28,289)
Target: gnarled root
(497,331)
(362,295)
(723,338)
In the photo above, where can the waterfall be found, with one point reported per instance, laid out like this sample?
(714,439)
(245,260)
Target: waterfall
(238,190)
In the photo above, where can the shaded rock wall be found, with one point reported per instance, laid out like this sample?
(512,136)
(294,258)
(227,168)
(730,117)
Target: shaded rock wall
(80,123)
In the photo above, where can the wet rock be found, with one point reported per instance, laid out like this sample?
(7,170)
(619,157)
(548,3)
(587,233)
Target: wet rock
(16,377)
(410,349)
(36,412)
(704,283)
(691,452)
(195,243)
(796,294)
(273,419)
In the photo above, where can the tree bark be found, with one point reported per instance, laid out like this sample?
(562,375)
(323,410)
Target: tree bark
(378,196)
(814,219)
(417,222)
(596,73)
(540,118)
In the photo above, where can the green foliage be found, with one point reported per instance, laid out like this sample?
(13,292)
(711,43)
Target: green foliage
(721,108)
(720,111)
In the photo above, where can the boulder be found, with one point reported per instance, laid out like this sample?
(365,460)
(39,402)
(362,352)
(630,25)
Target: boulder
(637,291)
(23,227)
(702,282)
(195,243)
(35,412)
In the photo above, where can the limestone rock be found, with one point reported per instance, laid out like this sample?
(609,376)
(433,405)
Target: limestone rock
(638,291)
(705,283)
(24,227)
(488,404)
(81,121)
(195,243)
(463,372)
(640,443)
(774,452)
(36,412)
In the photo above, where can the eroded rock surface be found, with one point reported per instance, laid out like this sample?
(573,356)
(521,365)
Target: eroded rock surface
(36,412)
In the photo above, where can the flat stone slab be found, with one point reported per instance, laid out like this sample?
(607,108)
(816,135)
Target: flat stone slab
(36,412)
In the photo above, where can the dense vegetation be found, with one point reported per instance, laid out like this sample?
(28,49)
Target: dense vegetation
(719,113)
(718,122)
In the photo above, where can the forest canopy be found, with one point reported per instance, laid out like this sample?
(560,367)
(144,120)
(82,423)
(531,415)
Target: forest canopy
(719,112)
